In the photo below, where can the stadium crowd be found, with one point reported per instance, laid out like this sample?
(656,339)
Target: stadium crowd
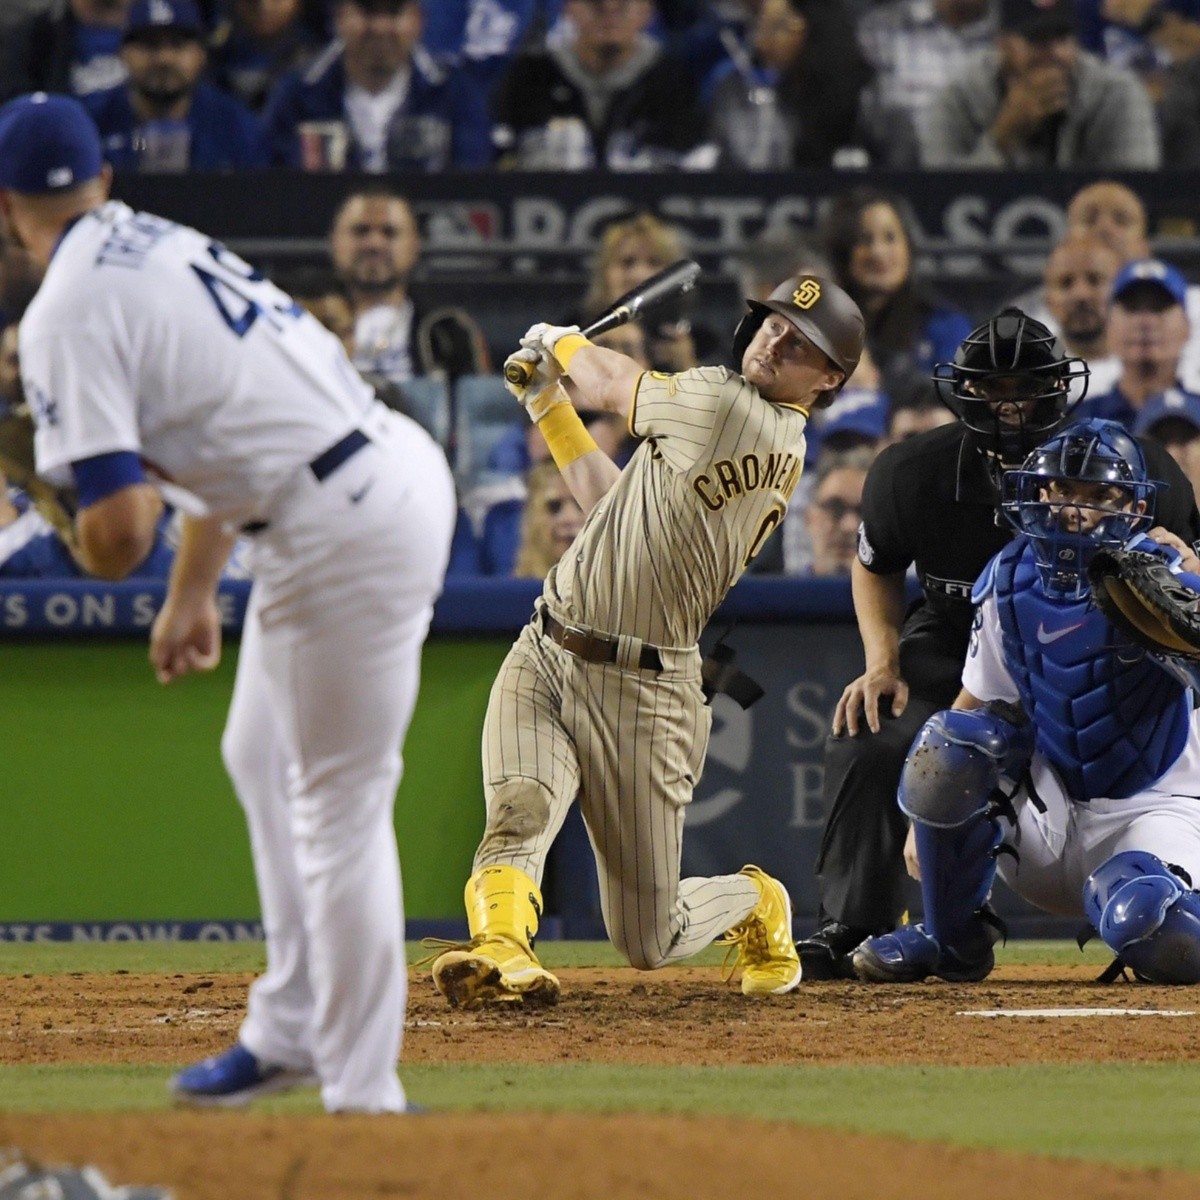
(398,87)
(388,85)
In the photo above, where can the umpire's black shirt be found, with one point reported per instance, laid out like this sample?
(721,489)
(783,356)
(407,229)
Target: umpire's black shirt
(930,501)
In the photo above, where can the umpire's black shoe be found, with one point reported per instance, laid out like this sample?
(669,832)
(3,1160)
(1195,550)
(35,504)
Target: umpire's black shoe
(826,953)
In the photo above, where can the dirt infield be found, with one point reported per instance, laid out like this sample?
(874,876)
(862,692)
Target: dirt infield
(606,1016)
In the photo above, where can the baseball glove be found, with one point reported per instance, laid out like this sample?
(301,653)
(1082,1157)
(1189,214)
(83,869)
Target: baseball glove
(57,505)
(1140,594)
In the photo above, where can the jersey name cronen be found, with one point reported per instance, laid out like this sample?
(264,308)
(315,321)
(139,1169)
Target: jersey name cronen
(736,477)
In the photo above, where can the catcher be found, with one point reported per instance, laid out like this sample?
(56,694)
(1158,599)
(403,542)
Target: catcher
(1070,761)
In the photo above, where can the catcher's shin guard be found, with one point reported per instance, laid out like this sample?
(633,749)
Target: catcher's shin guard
(1147,916)
(498,965)
(949,788)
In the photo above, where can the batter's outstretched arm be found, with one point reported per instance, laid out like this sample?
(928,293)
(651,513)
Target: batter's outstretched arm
(604,378)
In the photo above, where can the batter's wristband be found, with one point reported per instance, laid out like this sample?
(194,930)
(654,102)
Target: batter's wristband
(567,347)
(566,435)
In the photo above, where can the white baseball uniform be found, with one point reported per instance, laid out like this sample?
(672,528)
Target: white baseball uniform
(146,336)
(1059,848)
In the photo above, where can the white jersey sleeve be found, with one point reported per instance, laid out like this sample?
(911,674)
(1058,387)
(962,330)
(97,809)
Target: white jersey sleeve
(78,383)
(679,412)
(150,337)
(985,674)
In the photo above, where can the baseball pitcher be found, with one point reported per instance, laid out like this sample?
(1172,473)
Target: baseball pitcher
(601,697)
(152,354)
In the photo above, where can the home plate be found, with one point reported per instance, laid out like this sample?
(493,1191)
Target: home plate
(1078,1012)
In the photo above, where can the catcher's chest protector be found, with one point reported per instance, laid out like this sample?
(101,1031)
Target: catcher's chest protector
(1107,715)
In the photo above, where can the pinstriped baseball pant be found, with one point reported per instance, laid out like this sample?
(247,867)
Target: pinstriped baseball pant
(630,745)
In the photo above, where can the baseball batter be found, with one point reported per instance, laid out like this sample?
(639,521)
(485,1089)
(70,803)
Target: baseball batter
(601,697)
(152,354)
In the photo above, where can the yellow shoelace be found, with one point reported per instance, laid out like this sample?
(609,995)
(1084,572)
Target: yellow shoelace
(439,946)
(747,944)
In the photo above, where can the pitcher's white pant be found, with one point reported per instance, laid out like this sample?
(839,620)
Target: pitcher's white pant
(345,579)
(1061,847)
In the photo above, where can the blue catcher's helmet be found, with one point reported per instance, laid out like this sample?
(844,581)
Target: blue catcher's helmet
(1084,488)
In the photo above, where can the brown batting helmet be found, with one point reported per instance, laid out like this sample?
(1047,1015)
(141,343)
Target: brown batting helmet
(817,307)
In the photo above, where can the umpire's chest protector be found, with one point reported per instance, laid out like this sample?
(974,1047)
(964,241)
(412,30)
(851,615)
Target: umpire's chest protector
(1108,717)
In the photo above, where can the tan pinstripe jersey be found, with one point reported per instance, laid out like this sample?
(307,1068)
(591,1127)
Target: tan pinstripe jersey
(695,504)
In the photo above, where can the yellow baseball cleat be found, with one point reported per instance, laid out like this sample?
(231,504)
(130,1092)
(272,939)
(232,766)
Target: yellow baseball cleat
(766,951)
(498,965)
(493,970)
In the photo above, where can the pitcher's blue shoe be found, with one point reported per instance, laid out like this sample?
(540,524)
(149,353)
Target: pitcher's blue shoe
(909,954)
(235,1078)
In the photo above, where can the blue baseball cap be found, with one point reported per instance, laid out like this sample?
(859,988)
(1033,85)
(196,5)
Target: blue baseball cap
(1173,403)
(47,143)
(860,411)
(148,15)
(1153,271)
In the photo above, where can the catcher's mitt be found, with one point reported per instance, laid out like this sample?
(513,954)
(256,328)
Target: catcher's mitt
(1140,594)
(57,505)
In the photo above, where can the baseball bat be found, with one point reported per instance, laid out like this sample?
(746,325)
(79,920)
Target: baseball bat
(675,280)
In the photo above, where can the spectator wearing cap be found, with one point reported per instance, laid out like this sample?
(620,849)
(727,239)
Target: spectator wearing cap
(1037,100)
(165,118)
(1147,330)
(1173,418)
(375,100)
(74,48)
(858,417)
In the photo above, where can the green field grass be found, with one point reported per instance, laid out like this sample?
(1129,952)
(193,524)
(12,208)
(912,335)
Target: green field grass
(1069,1111)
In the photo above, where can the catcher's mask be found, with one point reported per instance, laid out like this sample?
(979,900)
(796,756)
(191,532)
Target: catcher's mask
(1075,493)
(1010,385)
(821,311)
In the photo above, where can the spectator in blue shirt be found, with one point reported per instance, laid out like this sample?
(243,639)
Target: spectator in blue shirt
(165,118)
(395,107)
(482,36)
(1147,331)
(256,43)
(30,547)
(1173,418)
(1146,36)
(73,48)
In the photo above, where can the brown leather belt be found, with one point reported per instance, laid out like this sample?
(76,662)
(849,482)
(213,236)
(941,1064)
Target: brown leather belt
(594,649)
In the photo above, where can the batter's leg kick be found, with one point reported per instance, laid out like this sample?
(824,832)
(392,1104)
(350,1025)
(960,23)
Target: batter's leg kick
(950,790)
